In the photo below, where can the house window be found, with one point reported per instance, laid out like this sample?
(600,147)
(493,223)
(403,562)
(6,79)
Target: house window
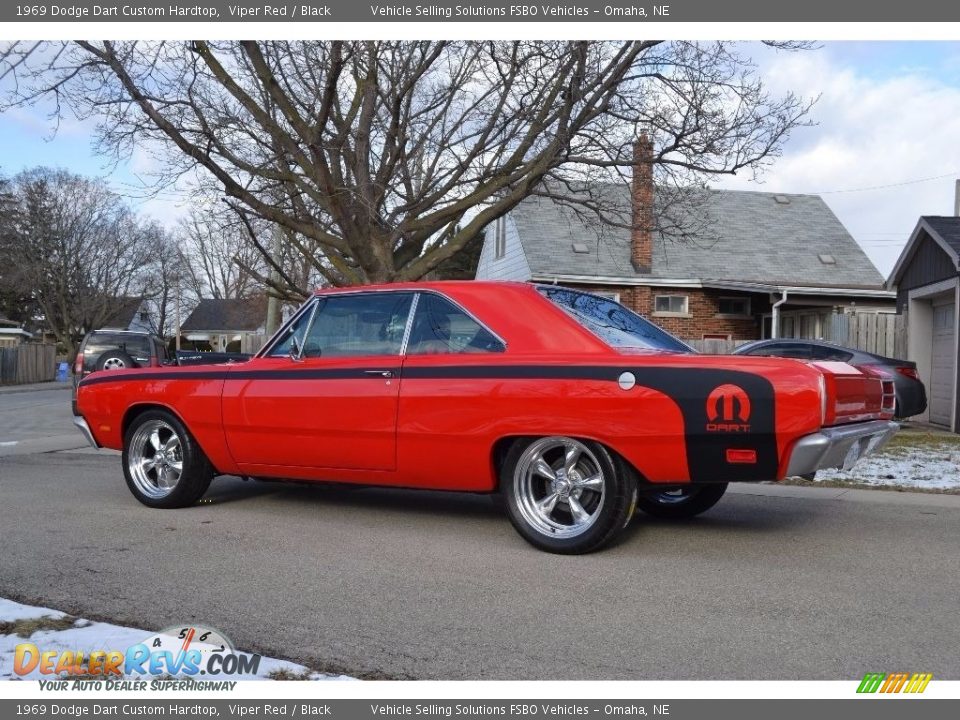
(500,237)
(733,306)
(615,296)
(674,304)
(715,336)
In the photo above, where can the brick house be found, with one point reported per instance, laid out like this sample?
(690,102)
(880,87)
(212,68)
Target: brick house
(762,264)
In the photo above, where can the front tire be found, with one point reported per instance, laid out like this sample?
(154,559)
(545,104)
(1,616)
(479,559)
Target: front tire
(162,463)
(683,503)
(565,495)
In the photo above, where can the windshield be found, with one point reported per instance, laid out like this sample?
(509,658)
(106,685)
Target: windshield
(612,322)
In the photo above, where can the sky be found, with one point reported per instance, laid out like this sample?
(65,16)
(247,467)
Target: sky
(884,149)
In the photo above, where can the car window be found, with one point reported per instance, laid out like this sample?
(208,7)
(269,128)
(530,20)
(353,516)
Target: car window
(356,325)
(799,351)
(612,322)
(821,352)
(136,345)
(298,330)
(133,345)
(439,326)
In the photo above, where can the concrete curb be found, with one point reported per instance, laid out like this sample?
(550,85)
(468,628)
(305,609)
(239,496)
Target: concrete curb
(34,387)
(882,497)
(34,446)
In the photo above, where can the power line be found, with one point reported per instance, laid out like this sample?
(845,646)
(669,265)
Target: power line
(916,181)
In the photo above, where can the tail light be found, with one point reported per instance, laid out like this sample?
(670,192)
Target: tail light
(907,371)
(78,364)
(888,398)
(889,404)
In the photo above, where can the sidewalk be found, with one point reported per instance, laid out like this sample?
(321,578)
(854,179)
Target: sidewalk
(34,387)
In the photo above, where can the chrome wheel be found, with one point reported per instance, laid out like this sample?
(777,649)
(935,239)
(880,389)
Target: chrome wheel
(672,497)
(114,363)
(559,486)
(155,459)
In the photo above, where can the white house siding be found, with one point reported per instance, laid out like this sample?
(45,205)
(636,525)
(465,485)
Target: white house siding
(512,266)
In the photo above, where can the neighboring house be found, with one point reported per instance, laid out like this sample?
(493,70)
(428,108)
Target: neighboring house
(11,334)
(763,264)
(927,281)
(130,313)
(227,324)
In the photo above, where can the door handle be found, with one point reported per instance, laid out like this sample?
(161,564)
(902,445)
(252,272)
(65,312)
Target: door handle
(379,373)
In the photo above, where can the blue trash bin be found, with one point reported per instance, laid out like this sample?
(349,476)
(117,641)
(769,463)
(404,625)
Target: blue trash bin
(63,372)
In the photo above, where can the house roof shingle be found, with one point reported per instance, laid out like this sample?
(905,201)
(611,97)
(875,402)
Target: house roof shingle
(947,227)
(746,236)
(124,314)
(232,315)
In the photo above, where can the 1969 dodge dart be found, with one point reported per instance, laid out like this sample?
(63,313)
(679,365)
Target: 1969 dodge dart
(575,409)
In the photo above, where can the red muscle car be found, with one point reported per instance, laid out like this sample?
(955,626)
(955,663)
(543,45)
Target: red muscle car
(573,407)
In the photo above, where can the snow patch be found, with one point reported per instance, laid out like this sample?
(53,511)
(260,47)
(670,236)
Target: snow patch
(932,466)
(87,636)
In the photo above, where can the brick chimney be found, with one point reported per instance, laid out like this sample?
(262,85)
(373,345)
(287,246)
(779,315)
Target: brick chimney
(641,193)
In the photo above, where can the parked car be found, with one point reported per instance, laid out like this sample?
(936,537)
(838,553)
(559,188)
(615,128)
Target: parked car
(126,349)
(573,407)
(117,350)
(911,394)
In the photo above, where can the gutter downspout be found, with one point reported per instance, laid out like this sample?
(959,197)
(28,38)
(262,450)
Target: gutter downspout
(775,319)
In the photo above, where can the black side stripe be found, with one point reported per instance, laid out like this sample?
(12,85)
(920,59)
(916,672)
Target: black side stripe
(687,387)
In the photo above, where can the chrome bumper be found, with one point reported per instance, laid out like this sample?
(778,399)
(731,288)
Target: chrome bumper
(85,429)
(839,447)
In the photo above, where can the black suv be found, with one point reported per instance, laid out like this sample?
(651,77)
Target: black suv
(117,350)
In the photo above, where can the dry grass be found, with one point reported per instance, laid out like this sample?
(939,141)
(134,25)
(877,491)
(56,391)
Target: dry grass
(26,627)
(284,674)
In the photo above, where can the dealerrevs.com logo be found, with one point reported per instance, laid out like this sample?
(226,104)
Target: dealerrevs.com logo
(178,655)
(728,409)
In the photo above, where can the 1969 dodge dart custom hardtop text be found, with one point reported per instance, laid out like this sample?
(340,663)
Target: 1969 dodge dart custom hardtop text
(574,408)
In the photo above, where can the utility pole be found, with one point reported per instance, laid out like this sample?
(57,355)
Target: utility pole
(176,306)
(273,304)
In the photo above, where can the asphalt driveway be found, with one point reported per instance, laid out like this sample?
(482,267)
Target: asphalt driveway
(774,583)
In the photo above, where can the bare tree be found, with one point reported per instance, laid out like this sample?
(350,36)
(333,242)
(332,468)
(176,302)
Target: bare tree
(73,247)
(218,255)
(163,275)
(381,160)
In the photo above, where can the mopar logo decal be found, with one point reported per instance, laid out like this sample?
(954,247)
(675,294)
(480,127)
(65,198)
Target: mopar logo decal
(728,404)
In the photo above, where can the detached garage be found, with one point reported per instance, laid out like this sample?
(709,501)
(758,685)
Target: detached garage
(927,279)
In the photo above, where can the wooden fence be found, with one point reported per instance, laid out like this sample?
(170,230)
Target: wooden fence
(881,333)
(28,363)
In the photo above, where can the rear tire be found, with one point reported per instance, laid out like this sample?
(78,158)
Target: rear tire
(682,504)
(162,463)
(565,495)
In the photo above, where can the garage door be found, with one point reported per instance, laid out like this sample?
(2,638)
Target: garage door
(942,366)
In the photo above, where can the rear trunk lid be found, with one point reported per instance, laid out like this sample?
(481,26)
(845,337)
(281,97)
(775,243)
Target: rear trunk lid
(852,394)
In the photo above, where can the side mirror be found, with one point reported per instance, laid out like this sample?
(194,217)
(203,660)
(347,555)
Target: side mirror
(296,349)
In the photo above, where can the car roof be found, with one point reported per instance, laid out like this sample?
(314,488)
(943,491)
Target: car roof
(815,343)
(438,285)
